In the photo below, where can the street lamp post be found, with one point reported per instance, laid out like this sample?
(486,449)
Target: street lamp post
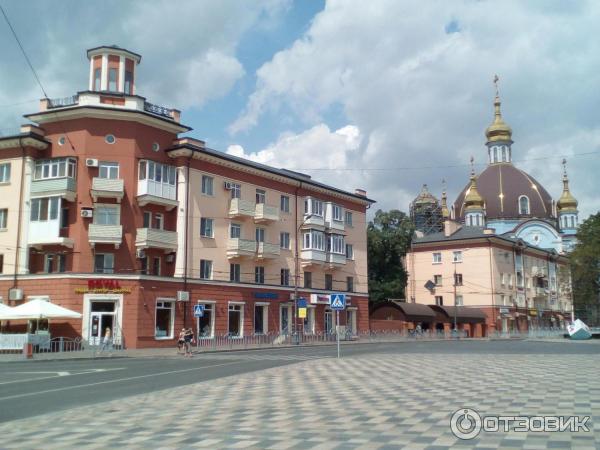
(296,276)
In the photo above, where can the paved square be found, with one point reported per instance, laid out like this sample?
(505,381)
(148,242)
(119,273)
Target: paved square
(378,401)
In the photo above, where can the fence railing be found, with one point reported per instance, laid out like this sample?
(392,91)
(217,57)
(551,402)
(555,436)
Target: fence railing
(62,102)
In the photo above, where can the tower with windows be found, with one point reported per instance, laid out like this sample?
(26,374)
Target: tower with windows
(112,69)
(566,209)
(498,134)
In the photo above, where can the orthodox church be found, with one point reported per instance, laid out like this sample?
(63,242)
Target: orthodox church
(511,202)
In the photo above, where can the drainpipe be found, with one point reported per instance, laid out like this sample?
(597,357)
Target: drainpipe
(296,263)
(494,316)
(18,247)
(185,250)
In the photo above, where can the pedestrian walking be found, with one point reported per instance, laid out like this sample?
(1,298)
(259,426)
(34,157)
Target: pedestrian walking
(189,340)
(181,341)
(106,341)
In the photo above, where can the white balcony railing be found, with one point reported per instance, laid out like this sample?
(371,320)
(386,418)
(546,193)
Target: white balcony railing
(265,213)
(158,193)
(241,208)
(336,259)
(237,247)
(310,257)
(105,234)
(266,250)
(107,188)
(153,238)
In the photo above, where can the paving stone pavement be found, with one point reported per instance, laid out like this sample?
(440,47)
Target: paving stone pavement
(378,401)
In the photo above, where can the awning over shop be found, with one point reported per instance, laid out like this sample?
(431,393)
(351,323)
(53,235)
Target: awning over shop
(463,313)
(406,312)
(415,312)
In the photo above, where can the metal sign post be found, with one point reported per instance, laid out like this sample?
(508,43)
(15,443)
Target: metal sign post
(337,302)
(337,331)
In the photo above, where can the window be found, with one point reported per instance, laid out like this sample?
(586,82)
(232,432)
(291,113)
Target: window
(284,240)
(147,219)
(285,204)
(159,221)
(349,251)
(260,235)
(235,320)
(337,212)
(157,172)
(112,80)
(502,279)
(156,266)
(519,279)
(459,300)
(314,240)
(62,140)
(49,263)
(155,146)
(1,263)
(308,280)
(437,279)
(313,207)
(350,284)
(97,74)
(236,190)
(108,170)
(128,82)
(285,277)
(206,227)
(207,185)
(458,279)
(3,218)
(457,256)
(328,282)
(523,204)
(336,244)
(260,319)
(260,196)
(503,300)
(348,218)
(110,139)
(54,168)
(510,280)
(104,263)
(206,323)
(235,231)
(106,214)
(164,320)
(64,217)
(205,269)
(259,275)
(439,300)
(4,173)
(234,273)
(437,258)
(144,265)
(42,209)
(62,263)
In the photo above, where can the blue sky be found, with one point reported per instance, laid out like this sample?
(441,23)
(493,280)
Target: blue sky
(383,95)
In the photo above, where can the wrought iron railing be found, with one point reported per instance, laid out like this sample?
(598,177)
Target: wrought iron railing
(158,110)
(62,102)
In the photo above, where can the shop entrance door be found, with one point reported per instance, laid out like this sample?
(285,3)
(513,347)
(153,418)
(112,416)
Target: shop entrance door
(285,319)
(102,316)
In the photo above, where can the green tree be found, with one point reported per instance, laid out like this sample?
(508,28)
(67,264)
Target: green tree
(585,271)
(389,236)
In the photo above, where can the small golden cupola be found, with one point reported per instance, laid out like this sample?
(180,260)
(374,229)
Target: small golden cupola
(473,199)
(566,202)
(445,210)
(498,131)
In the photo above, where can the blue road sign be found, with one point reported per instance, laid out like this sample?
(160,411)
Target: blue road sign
(337,302)
(198,310)
(301,302)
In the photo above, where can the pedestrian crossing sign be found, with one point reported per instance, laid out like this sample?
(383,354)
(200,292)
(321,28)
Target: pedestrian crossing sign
(198,310)
(337,301)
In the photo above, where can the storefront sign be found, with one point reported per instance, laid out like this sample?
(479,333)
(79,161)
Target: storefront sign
(533,312)
(103,286)
(504,311)
(267,295)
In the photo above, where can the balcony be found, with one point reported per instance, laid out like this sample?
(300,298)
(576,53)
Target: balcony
(107,188)
(240,209)
(313,258)
(336,259)
(63,187)
(267,251)
(238,248)
(313,221)
(157,193)
(154,238)
(105,234)
(264,213)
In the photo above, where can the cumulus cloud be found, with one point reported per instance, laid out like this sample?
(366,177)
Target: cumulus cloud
(415,79)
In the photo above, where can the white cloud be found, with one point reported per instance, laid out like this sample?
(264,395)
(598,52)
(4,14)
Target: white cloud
(415,78)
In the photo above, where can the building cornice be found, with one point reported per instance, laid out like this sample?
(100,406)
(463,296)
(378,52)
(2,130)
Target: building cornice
(24,140)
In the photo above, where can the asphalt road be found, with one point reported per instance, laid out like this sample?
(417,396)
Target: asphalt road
(30,388)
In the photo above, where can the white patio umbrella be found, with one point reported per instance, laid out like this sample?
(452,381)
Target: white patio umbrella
(38,309)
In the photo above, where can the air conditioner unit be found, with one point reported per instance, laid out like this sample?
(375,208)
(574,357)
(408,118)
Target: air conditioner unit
(91,162)
(88,213)
(183,296)
(170,258)
(140,253)
(228,185)
(15,294)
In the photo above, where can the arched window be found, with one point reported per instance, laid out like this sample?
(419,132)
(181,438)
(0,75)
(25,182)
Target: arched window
(523,205)
(572,221)
(503,153)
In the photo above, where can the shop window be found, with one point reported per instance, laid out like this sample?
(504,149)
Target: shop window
(260,319)
(235,320)
(206,323)
(164,319)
